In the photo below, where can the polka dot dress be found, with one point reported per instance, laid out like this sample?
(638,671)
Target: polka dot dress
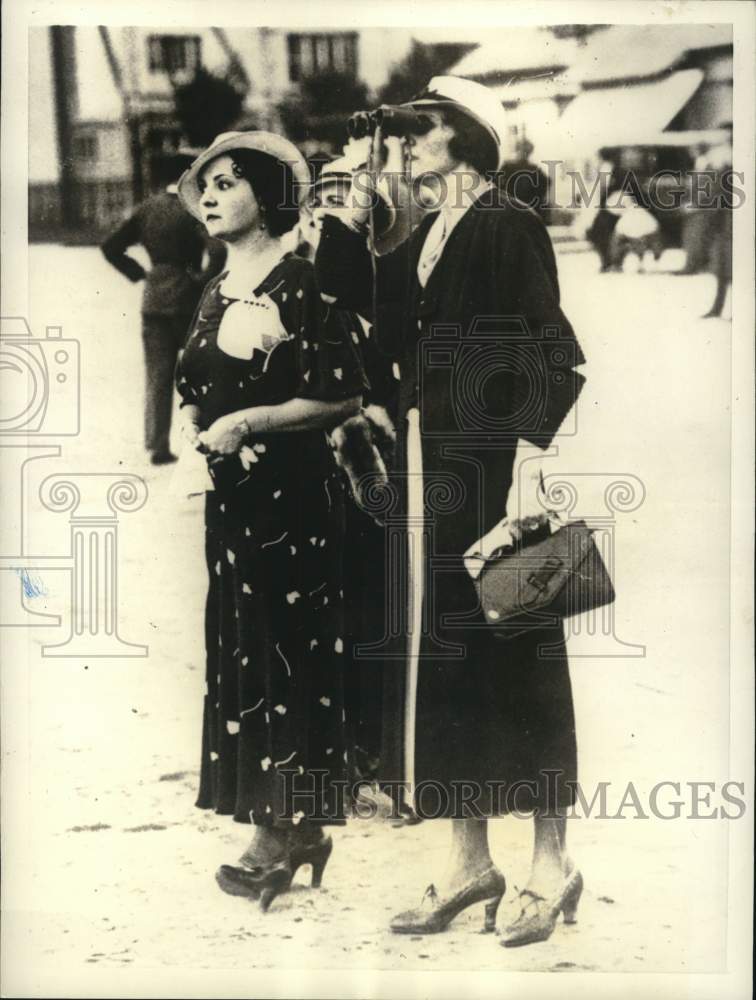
(273,742)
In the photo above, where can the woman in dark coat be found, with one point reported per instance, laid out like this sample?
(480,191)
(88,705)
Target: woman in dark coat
(267,368)
(487,360)
(363,446)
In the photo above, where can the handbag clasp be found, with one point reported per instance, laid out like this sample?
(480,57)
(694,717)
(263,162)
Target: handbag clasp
(540,577)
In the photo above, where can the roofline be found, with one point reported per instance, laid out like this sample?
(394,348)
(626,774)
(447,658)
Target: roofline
(531,73)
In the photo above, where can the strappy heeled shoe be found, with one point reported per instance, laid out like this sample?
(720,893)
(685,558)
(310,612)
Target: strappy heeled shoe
(436,914)
(538,915)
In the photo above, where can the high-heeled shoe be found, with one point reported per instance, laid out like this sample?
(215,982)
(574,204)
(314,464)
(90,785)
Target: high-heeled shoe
(437,913)
(538,915)
(249,879)
(315,853)
(265,882)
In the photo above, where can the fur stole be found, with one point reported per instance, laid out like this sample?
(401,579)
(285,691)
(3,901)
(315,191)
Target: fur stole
(364,447)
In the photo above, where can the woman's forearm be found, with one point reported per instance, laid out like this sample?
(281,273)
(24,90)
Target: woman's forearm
(299,415)
(190,411)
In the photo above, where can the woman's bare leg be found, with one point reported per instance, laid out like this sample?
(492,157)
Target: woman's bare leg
(469,855)
(268,846)
(550,859)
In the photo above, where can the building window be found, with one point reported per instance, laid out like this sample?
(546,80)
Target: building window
(85,146)
(311,54)
(173,53)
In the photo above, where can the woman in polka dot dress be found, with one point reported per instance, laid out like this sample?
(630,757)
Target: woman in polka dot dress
(267,368)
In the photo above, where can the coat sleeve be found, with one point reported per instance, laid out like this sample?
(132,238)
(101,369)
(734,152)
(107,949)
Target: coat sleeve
(115,246)
(546,385)
(345,275)
(345,272)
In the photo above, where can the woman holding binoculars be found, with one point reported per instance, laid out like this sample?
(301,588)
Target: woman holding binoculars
(468,306)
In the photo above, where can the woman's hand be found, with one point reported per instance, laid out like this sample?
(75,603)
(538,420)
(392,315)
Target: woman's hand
(225,436)
(367,177)
(526,502)
(525,511)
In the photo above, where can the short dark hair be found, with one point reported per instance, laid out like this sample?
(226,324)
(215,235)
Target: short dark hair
(273,185)
(472,143)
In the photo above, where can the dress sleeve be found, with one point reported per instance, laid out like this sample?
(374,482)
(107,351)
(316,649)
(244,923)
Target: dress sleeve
(329,366)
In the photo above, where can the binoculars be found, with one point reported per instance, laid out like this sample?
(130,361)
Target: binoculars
(391,120)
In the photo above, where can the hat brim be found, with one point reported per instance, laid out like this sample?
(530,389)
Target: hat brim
(434,102)
(275,146)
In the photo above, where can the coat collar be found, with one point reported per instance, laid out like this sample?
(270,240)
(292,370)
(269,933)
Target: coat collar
(453,257)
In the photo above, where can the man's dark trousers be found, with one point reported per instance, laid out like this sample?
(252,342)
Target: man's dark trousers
(163,337)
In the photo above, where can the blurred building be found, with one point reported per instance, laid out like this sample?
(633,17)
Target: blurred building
(103,122)
(643,98)
(570,94)
(102,115)
(527,70)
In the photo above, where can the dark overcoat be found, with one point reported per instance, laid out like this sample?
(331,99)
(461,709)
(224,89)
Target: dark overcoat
(486,357)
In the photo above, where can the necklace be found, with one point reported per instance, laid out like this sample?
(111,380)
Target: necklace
(250,273)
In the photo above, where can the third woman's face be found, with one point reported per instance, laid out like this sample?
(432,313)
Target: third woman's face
(330,194)
(229,207)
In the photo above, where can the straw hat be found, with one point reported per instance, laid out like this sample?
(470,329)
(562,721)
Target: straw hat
(262,142)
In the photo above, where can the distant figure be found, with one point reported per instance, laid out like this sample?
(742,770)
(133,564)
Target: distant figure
(718,160)
(524,180)
(172,287)
(695,220)
(636,231)
(606,218)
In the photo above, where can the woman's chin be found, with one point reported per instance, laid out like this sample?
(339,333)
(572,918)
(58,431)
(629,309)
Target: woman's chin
(216,229)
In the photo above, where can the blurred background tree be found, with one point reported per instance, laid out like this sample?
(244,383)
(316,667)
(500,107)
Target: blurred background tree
(207,105)
(411,74)
(315,115)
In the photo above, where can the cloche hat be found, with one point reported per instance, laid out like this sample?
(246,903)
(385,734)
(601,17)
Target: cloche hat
(263,142)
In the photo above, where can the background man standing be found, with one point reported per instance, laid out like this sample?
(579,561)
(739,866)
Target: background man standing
(175,245)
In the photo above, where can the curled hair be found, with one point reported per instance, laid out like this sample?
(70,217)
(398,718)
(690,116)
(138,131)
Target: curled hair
(273,185)
(472,143)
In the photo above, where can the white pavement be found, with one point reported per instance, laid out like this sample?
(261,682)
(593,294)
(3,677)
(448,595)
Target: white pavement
(119,868)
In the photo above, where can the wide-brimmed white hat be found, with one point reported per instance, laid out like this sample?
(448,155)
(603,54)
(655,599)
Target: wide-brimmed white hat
(470,98)
(263,142)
